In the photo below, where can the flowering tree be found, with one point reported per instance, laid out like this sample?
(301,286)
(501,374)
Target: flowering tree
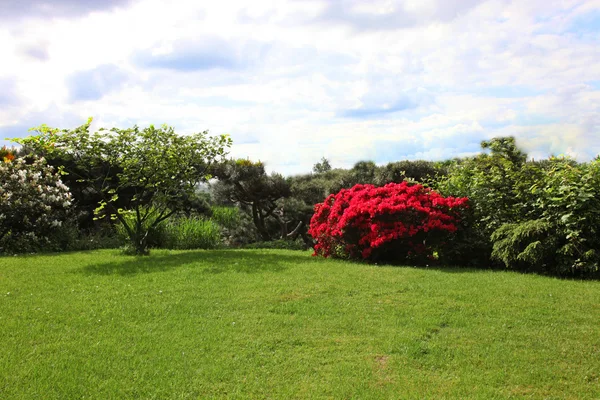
(393,222)
(33,199)
(157,167)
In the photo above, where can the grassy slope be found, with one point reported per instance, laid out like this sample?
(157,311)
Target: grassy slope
(279,324)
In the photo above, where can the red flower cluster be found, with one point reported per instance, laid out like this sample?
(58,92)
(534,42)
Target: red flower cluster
(398,218)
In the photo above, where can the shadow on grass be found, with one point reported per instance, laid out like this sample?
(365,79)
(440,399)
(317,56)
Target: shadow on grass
(211,261)
(50,254)
(457,269)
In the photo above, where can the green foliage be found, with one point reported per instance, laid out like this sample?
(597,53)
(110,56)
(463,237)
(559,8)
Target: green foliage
(160,167)
(468,246)
(505,147)
(362,172)
(495,183)
(191,233)
(529,243)
(155,233)
(531,215)
(180,232)
(314,188)
(322,166)
(566,236)
(70,237)
(418,171)
(498,186)
(247,185)
(242,233)
(227,217)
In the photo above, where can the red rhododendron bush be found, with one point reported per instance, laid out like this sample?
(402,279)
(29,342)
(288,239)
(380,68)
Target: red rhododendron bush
(396,222)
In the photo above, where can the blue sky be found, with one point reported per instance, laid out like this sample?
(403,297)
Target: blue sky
(293,81)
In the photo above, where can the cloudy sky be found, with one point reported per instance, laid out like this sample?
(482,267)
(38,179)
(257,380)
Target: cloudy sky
(294,81)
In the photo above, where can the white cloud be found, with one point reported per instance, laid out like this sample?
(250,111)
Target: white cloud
(293,81)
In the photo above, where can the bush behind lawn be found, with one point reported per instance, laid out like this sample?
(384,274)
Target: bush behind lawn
(282,324)
(192,233)
(184,233)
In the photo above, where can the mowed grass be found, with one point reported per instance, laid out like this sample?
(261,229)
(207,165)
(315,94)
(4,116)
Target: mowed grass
(280,324)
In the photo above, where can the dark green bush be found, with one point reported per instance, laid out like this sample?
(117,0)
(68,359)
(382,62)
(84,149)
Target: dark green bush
(530,215)
(156,235)
(565,239)
(419,171)
(242,233)
(498,186)
(69,237)
(19,245)
(227,217)
(468,246)
(525,245)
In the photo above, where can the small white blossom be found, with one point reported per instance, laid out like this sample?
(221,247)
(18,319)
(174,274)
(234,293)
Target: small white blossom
(32,198)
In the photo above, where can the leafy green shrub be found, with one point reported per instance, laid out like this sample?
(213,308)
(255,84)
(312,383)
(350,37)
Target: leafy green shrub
(560,229)
(525,245)
(468,246)
(192,233)
(498,186)
(227,217)
(241,233)
(419,171)
(570,199)
(179,233)
(493,183)
(69,237)
(156,236)
(362,172)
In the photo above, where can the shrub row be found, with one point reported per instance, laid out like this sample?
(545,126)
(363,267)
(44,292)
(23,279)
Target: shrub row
(541,216)
(529,215)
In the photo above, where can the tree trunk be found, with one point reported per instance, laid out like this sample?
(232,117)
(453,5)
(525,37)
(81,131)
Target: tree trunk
(141,248)
(283,224)
(293,235)
(139,243)
(259,222)
(299,230)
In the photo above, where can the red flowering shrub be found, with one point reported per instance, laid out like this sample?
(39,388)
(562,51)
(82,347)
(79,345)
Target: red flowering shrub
(389,223)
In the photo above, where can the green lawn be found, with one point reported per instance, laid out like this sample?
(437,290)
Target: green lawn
(280,324)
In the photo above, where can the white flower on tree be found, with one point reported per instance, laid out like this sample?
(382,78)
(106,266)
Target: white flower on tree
(33,200)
